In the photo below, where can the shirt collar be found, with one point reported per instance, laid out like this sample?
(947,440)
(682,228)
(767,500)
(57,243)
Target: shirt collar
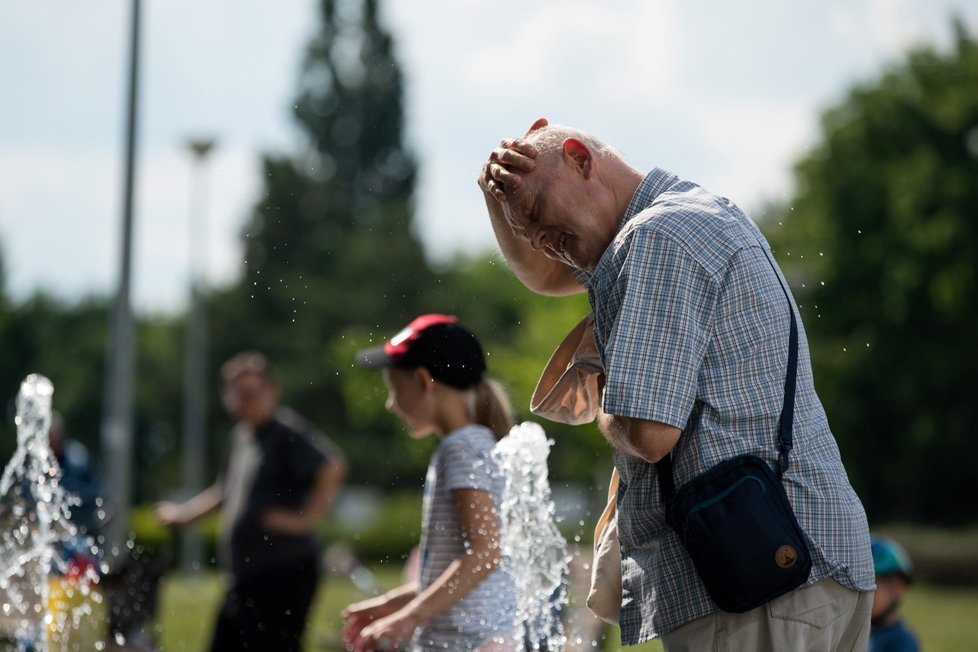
(654,184)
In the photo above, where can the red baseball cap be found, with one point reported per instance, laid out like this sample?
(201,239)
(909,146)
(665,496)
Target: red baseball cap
(439,343)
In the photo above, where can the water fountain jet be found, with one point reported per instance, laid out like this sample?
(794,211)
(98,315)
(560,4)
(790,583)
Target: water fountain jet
(43,596)
(534,551)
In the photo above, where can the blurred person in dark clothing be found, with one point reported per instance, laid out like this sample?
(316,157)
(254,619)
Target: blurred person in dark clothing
(78,477)
(280,479)
(894,572)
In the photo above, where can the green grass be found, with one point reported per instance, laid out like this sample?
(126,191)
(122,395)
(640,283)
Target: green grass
(943,617)
(188,606)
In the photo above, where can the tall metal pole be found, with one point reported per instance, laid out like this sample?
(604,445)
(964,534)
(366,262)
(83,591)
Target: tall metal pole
(195,356)
(117,418)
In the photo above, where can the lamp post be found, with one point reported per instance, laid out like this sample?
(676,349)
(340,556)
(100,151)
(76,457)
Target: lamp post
(195,353)
(117,413)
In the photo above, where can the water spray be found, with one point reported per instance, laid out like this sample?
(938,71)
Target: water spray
(534,552)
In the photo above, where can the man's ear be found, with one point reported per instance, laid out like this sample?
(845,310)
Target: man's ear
(539,124)
(580,156)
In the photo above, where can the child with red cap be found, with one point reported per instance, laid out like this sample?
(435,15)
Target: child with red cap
(434,370)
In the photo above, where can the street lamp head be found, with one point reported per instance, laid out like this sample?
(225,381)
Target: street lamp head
(200,146)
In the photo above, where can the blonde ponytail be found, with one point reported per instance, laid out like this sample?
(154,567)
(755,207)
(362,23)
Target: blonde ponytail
(492,407)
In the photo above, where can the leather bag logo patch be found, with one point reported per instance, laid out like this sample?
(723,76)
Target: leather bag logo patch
(785,556)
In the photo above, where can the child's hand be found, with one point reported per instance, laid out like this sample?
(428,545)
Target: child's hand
(360,614)
(388,633)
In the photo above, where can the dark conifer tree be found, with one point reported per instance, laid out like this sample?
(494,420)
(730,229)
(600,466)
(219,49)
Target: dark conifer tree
(330,244)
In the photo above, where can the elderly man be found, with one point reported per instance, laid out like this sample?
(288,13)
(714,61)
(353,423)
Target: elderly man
(692,324)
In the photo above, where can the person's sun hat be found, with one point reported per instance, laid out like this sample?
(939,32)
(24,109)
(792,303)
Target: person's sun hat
(567,391)
(439,343)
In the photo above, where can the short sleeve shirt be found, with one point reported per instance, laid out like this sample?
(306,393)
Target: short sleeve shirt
(273,466)
(462,460)
(692,325)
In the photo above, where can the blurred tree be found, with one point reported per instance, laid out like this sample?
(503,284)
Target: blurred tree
(518,330)
(6,345)
(3,281)
(159,401)
(881,246)
(66,343)
(330,245)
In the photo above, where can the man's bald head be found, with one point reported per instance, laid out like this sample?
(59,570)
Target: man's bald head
(550,141)
(567,206)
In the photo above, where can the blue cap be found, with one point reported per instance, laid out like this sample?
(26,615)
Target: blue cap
(890,558)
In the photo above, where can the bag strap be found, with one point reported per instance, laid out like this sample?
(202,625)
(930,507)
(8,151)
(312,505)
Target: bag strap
(785,422)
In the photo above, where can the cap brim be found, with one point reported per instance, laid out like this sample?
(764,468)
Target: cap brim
(374,358)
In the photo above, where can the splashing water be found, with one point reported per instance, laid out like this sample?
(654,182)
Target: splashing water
(34,513)
(534,552)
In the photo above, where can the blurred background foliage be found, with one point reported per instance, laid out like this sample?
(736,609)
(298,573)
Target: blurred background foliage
(879,242)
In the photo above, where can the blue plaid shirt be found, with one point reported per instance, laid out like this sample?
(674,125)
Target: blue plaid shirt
(692,326)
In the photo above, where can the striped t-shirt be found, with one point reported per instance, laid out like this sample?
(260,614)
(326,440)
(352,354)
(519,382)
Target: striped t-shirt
(461,461)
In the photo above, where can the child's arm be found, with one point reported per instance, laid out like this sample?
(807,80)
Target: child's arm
(480,527)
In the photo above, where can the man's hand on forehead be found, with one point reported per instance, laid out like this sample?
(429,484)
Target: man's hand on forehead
(508,163)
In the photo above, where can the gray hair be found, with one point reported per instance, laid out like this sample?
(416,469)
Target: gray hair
(551,139)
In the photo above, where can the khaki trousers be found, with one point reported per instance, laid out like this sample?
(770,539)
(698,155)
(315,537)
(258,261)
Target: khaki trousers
(823,617)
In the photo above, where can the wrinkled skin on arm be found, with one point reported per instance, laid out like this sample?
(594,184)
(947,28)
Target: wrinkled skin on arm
(642,438)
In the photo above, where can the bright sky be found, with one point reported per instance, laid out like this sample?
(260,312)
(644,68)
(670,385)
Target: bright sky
(724,94)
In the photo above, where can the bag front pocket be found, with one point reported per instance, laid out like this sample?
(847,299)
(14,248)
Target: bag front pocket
(741,534)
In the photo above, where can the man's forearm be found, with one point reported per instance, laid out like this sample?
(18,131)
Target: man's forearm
(203,504)
(615,430)
(534,269)
(504,171)
(516,252)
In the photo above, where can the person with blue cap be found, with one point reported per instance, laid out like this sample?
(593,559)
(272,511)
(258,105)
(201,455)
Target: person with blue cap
(894,572)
